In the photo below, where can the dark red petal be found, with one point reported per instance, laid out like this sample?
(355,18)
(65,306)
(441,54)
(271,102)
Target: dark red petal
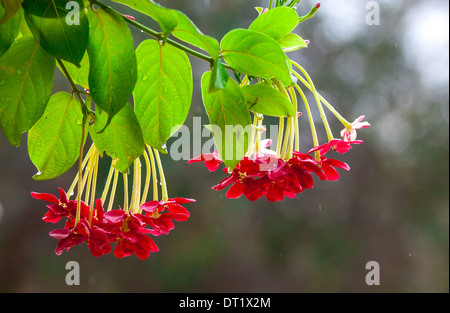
(114,216)
(212,165)
(62,195)
(330,172)
(275,193)
(45,196)
(182,200)
(337,163)
(235,191)
(150,206)
(226,181)
(60,233)
(251,189)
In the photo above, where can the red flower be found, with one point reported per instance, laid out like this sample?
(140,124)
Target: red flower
(338,145)
(161,213)
(212,160)
(61,207)
(131,234)
(243,180)
(70,237)
(328,167)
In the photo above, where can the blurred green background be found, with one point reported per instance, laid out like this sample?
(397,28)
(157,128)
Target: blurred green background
(392,207)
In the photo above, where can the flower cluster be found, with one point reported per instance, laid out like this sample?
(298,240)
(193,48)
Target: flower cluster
(286,171)
(276,178)
(130,229)
(99,229)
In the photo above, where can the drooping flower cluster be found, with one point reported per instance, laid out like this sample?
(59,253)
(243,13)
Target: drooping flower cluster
(131,229)
(276,178)
(286,171)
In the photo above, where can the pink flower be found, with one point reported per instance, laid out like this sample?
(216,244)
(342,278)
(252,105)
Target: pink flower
(349,134)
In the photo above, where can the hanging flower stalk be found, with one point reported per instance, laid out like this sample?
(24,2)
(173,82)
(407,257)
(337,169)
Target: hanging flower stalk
(131,225)
(97,55)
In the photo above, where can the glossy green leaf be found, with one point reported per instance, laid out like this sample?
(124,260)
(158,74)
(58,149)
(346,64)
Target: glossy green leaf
(60,28)
(26,79)
(262,98)
(229,119)
(255,54)
(219,77)
(112,59)
(79,74)
(163,92)
(9,32)
(54,141)
(166,18)
(187,31)
(122,139)
(292,42)
(8,9)
(276,23)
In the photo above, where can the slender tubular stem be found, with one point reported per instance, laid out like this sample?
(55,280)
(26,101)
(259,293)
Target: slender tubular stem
(311,120)
(154,175)
(165,195)
(319,104)
(147,178)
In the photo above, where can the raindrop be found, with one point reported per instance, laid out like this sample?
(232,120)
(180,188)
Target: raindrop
(19,72)
(2,82)
(145,78)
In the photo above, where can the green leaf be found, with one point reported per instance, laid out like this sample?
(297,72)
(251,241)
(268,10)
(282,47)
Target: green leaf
(122,139)
(113,70)
(292,42)
(9,32)
(219,77)
(262,98)
(276,23)
(9,8)
(163,92)
(26,79)
(62,32)
(188,32)
(166,18)
(255,54)
(229,120)
(54,141)
(79,75)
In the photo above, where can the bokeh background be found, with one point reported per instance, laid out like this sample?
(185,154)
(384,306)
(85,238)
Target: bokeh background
(392,207)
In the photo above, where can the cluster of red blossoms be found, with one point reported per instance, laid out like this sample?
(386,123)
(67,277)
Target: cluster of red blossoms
(99,229)
(276,178)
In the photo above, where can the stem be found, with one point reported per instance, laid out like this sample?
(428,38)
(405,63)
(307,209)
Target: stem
(94,186)
(344,122)
(270,4)
(165,196)
(147,178)
(286,138)
(154,176)
(311,120)
(280,137)
(125,192)
(296,130)
(80,173)
(319,104)
(108,183)
(113,191)
(75,181)
(75,90)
